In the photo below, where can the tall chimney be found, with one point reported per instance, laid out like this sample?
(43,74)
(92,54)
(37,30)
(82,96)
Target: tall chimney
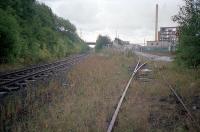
(156,24)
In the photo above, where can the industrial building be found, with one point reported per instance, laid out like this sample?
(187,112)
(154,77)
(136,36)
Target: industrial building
(169,34)
(165,39)
(118,43)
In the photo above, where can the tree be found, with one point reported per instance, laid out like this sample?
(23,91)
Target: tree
(30,32)
(188,18)
(9,37)
(102,41)
(64,25)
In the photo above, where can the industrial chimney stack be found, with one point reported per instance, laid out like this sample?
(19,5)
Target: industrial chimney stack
(156,24)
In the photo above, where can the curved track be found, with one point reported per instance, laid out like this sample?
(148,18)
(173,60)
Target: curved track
(176,95)
(114,117)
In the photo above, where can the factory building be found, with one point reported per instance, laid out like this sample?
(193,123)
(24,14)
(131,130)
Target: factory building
(118,43)
(165,39)
(169,34)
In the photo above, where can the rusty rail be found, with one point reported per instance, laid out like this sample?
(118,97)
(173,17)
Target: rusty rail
(179,99)
(11,81)
(111,125)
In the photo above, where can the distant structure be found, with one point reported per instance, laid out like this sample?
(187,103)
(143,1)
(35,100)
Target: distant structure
(156,24)
(91,43)
(165,39)
(169,34)
(125,46)
(118,43)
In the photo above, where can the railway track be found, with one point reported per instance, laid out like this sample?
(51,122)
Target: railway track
(16,80)
(172,89)
(114,117)
(179,99)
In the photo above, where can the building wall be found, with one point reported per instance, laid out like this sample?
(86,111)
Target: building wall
(167,38)
(169,34)
(118,43)
(159,44)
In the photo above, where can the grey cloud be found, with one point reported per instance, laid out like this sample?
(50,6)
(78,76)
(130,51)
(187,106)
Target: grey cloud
(79,11)
(133,19)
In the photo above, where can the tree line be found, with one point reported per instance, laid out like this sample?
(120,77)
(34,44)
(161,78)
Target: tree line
(102,42)
(30,32)
(188,49)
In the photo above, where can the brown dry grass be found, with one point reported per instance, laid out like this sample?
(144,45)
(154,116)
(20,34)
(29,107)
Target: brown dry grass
(150,106)
(88,102)
(9,67)
(142,97)
(95,86)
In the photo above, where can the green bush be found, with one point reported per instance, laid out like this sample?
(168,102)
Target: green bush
(102,42)
(9,37)
(188,53)
(30,33)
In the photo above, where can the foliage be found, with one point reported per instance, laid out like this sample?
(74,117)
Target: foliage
(102,42)
(9,36)
(188,53)
(30,32)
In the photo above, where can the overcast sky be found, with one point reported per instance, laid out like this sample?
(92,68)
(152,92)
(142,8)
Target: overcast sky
(133,20)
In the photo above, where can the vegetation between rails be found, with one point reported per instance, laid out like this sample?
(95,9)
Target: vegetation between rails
(88,100)
(151,106)
(86,103)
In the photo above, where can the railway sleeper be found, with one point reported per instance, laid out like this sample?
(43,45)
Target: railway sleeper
(4,80)
(37,76)
(16,86)
(22,85)
(31,79)
(9,77)
(4,91)
(13,87)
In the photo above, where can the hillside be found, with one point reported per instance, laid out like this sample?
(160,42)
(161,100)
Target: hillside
(30,33)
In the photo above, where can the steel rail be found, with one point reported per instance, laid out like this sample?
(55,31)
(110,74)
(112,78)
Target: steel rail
(178,98)
(111,125)
(32,74)
(36,67)
(38,72)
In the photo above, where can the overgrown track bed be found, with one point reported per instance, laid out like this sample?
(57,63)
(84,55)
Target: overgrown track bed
(13,81)
(150,104)
(114,117)
(194,122)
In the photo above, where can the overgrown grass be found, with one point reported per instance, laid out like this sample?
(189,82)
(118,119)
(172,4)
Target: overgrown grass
(85,98)
(88,100)
(150,106)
